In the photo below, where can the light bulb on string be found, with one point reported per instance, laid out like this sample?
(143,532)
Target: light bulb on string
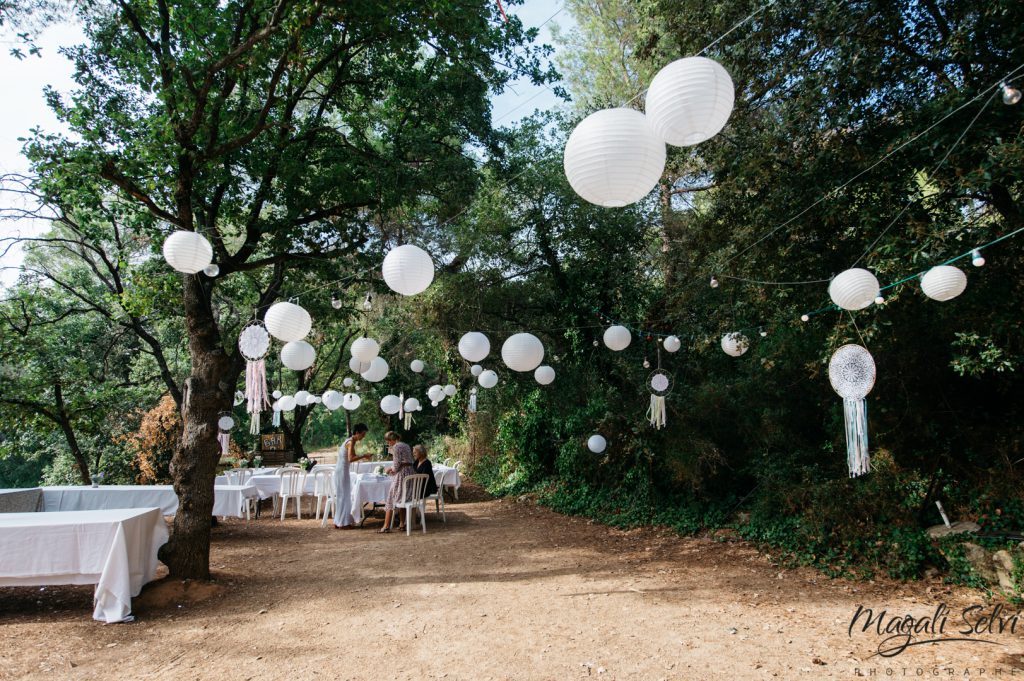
(763,331)
(367,303)
(211,270)
(596,344)
(714,282)
(879,299)
(805,318)
(977,259)
(647,364)
(336,301)
(1011,95)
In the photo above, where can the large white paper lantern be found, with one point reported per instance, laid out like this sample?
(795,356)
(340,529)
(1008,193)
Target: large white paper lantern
(613,158)
(333,399)
(689,101)
(187,252)
(597,443)
(356,366)
(476,369)
(302,398)
(450,390)
(544,375)
(943,282)
(391,404)
(365,349)
(672,344)
(854,289)
(435,393)
(298,355)
(416,365)
(735,344)
(347,382)
(377,371)
(488,379)
(411,404)
(474,346)
(287,321)
(287,403)
(617,338)
(350,402)
(408,270)
(522,352)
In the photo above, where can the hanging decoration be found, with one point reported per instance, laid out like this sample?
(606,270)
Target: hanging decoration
(522,352)
(472,401)
(672,344)
(474,346)
(735,344)
(854,289)
(365,349)
(298,355)
(347,382)
(287,322)
(411,405)
(617,338)
(660,385)
(488,379)
(408,270)
(689,101)
(416,366)
(377,371)
(596,443)
(851,371)
(943,282)
(350,402)
(390,404)
(544,375)
(253,345)
(239,397)
(450,390)
(276,420)
(187,252)
(332,399)
(358,367)
(276,394)
(435,393)
(476,370)
(301,398)
(287,403)
(224,425)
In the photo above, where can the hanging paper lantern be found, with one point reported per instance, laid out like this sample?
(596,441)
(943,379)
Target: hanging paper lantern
(298,355)
(435,393)
(350,402)
(302,398)
(408,270)
(672,344)
(544,375)
(488,379)
(365,349)
(390,404)
(356,366)
(943,282)
(412,404)
(333,399)
(277,394)
(377,371)
(735,344)
(617,338)
(314,399)
(613,158)
(474,346)
(450,390)
(597,444)
(276,406)
(854,289)
(851,371)
(187,252)
(225,423)
(287,403)
(288,322)
(476,369)
(347,382)
(416,365)
(434,403)
(522,352)
(689,101)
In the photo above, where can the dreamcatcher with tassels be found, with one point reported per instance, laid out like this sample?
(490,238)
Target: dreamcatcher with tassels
(254,344)
(660,383)
(224,425)
(851,371)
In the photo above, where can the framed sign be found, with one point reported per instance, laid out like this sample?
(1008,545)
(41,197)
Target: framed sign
(272,442)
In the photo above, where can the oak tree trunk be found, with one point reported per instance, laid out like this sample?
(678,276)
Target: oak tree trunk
(69,434)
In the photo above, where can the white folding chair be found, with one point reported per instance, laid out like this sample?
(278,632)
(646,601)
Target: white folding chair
(438,497)
(413,488)
(323,489)
(292,482)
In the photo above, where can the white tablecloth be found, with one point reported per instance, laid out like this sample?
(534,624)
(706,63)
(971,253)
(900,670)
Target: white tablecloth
(367,466)
(84,498)
(368,488)
(269,485)
(227,499)
(451,476)
(113,549)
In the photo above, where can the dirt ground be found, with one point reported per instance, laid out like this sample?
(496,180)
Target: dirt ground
(505,590)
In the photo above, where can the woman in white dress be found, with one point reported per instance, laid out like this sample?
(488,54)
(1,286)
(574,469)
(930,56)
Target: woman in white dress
(343,519)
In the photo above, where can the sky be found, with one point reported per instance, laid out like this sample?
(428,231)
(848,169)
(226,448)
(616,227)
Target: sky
(22,106)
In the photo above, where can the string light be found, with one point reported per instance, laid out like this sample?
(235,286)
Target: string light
(1011,95)
(211,270)
(805,318)
(977,259)
(714,282)
(368,303)
(336,301)
(763,331)
(879,299)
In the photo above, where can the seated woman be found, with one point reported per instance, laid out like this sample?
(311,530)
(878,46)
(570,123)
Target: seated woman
(423,465)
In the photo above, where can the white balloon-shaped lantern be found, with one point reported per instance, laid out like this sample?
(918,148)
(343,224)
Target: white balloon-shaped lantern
(332,399)
(613,158)
(365,349)
(474,346)
(347,382)
(298,355)
(188,252)
(476,369)
(435,393)
(735,344)
(450,390)
(617,338)
(522,352)
(544,375)
(358,367)
(854,289)
(943,282)
(408,270)
(377,371)
(672,344)
(287,321)
(302,398)
(411,404)
(488,379)
(689,101)
(391,404)
(276,394)
(597,443)
(416,365)
(287,403)
(350,402)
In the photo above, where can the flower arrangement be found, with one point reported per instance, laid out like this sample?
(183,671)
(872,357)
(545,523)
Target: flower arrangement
(96,479)
(307,464)
(243,462)
(379,470)
(257,461)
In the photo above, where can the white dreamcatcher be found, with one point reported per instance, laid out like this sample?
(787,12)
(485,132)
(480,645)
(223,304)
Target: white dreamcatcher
(254,344)
(851,371)
(660,384)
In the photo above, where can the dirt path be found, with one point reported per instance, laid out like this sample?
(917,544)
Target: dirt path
(506,591)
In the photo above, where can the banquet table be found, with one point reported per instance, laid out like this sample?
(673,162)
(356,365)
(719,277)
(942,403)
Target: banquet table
(368,488)
(226,499)
(367,466)
(114,549)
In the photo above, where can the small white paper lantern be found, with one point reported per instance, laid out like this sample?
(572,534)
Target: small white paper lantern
(298,355)
(435,393)
(287,403)
(613,158)
(287,321)
(433,403)
(276,406)
(276,394)
(476,369)
(350,402)
(854,289)
(617,338)
(474,346)
(943,282)
(597,443)
(314,399)
(408,270)
(488,379)
(522,352)
(390,404)
(377,371)
(356,366)
(187,252)
(333,399)
(449,390)
(416,365)
(365,349)
(412,404)
(735,344)
(347,382)
(225,423)
(672,344)
(689,101)
(302,398)
(544,375)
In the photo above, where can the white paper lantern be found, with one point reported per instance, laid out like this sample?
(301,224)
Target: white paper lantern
(488,379)
(943,282)
(617,338)
(544,375)
(365,349)
(314,399)
(735,344)
(276,394)
(377,371)
(412,404)
(597,444)
(435,393)
(347,382)
(450,390)
(390,404)
(416,365)
(287,403)
(298,355)
(276,406)
(476,369)
(474,346)
(672,344)
(350,402)
(433,403)
(689,101)
(408,270)
(302,398)
(613,158)
(333,399)
(356,366)
(225,423)
(187,252)
(854,289)
(522,352)
(288,322)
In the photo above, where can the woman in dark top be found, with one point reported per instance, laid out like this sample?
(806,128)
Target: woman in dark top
(423,466)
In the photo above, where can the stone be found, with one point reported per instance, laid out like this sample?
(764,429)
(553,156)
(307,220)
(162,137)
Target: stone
(1003,562)
(956,528)
(981,561)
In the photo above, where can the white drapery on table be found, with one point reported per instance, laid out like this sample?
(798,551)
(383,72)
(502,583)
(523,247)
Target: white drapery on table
(113,549)
(368,488)
(226,498)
